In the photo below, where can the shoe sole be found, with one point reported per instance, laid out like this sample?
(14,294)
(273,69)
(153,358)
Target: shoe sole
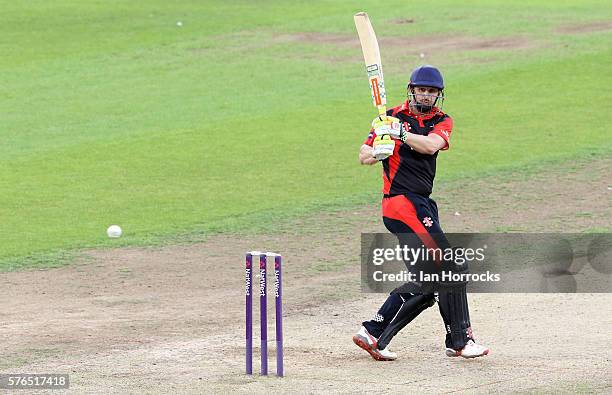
(454,353)
(485,352)
(362,343)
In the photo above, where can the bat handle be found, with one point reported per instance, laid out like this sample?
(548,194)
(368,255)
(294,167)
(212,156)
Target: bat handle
(382,111)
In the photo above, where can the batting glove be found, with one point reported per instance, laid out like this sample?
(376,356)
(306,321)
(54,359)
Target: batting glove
(383,147)
(387,125)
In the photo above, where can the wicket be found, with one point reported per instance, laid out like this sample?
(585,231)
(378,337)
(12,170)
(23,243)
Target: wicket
(263,312)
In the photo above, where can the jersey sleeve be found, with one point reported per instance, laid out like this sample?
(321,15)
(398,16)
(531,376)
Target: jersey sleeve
(370,140)
(444,129)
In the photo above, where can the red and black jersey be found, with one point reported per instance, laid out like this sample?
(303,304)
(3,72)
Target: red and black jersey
(407,170)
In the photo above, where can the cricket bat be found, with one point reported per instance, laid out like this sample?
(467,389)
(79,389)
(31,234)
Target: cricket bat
(371,55)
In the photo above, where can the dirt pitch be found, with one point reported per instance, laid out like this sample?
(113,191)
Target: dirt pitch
(167,320)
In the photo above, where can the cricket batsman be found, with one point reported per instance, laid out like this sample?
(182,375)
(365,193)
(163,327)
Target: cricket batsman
(406,142)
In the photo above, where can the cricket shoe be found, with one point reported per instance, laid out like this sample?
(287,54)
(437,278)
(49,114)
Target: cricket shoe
(471,350)
(369,343)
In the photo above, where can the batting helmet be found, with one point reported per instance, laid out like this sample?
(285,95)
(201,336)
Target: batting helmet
(426,76)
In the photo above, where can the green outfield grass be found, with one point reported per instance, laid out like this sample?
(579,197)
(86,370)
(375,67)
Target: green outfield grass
(114,114)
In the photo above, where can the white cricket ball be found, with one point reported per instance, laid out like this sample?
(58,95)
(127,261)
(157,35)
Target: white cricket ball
(114,231)
(422,55)
(179,23)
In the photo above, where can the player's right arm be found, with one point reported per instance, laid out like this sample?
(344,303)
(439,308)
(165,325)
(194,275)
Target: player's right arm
(365,155)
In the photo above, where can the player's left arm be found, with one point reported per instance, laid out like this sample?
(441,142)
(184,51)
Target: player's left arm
(438,139)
